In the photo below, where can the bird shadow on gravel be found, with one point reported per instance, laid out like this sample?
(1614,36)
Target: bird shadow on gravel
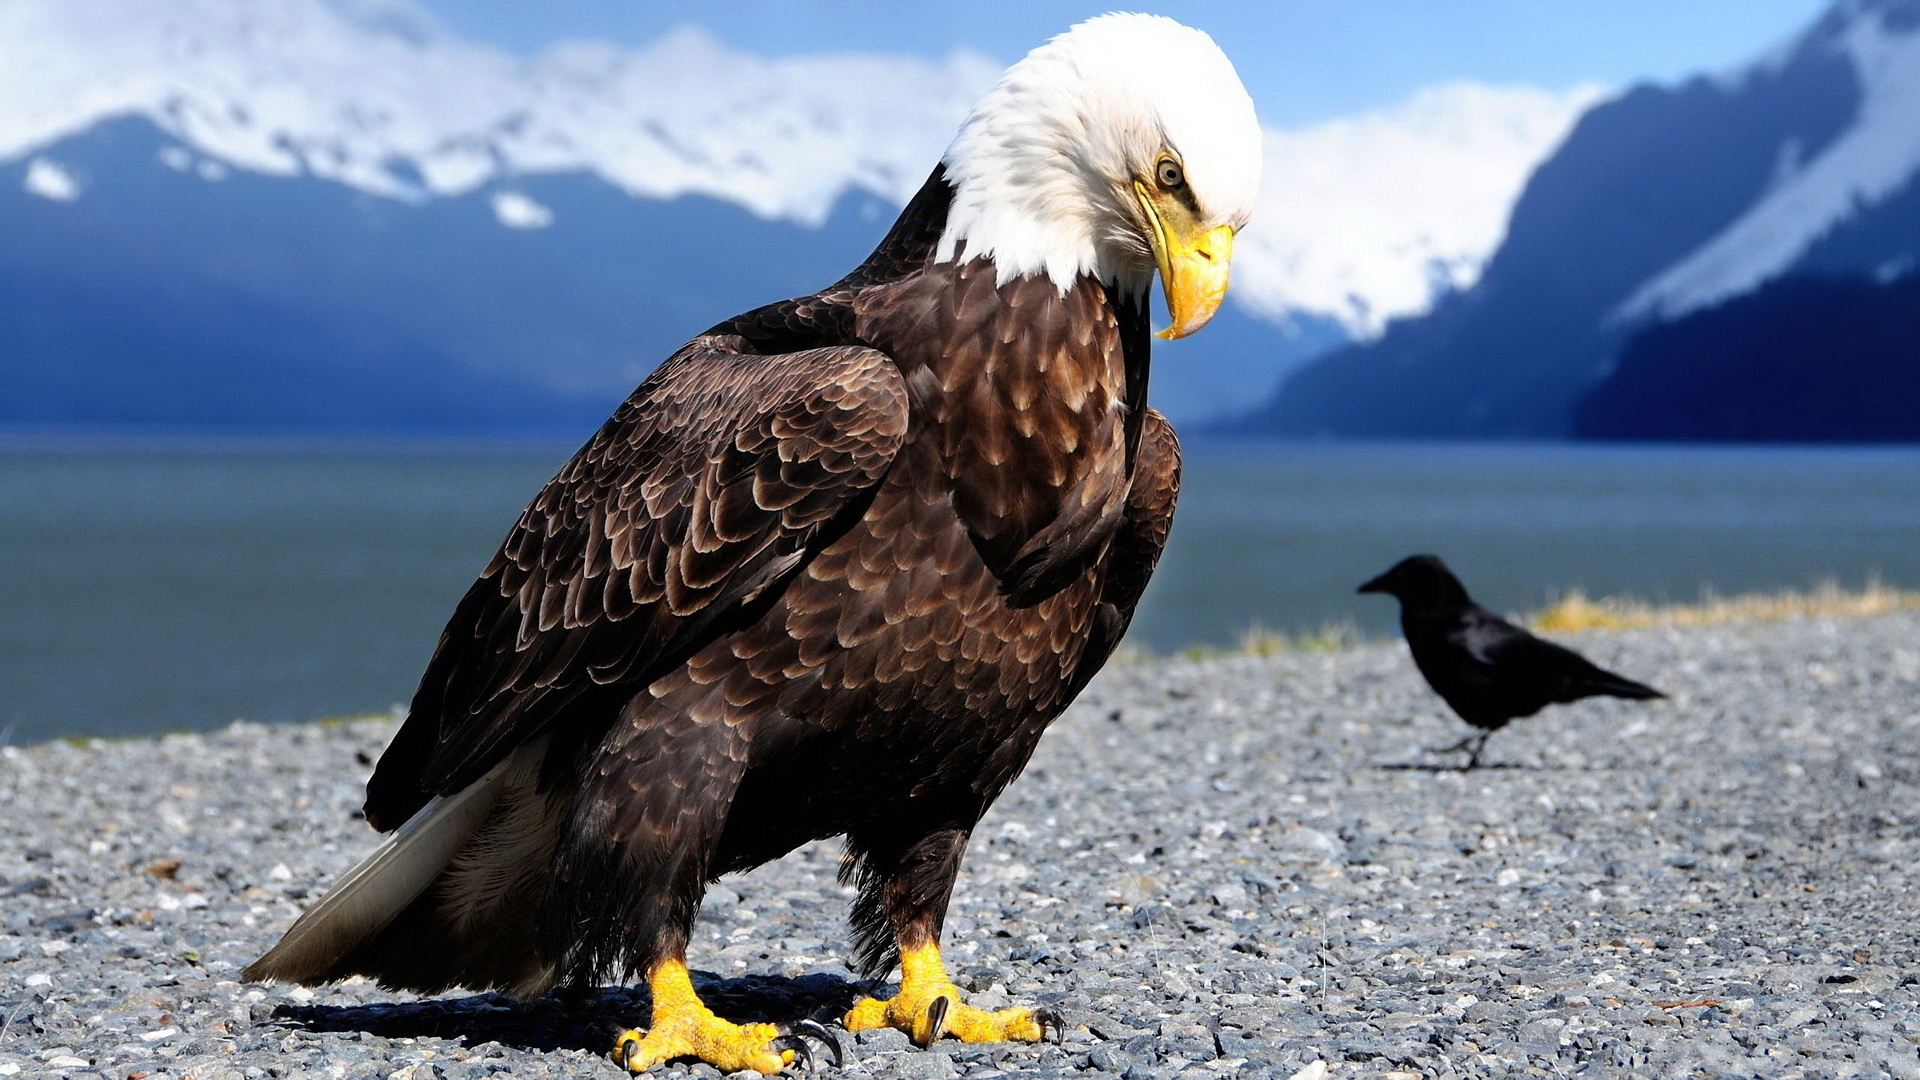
(581,1020)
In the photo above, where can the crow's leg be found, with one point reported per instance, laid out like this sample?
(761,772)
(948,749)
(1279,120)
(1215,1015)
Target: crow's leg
(1472,744)
(904,889)
(1479,743)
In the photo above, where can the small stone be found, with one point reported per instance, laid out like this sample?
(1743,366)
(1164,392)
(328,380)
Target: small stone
(1113,1030)
(1189,1040)
(883,1039)
(925,1065)
(1490,1012)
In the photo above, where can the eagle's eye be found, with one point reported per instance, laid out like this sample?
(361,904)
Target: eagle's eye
(1169,173)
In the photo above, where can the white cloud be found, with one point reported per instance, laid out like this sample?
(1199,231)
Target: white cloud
(1369,218)
(520,211)
(50,181)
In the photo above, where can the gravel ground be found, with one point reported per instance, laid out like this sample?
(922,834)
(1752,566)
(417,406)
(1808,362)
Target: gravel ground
(1232,867)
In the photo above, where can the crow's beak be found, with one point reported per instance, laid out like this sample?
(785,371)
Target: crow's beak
(1378,584)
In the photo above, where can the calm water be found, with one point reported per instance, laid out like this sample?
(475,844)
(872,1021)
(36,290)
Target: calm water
(147,588)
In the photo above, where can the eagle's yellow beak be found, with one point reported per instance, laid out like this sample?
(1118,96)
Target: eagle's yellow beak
(1193,261)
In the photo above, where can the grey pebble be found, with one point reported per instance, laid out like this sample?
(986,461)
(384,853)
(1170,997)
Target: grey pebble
(883,1039)
(929,1065)
(1253,868)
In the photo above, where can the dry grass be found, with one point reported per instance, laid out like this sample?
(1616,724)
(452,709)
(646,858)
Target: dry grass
(1576,611)
(1256,640)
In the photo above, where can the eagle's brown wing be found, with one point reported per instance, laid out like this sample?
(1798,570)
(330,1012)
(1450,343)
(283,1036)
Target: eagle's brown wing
(715,482)
(1151,495)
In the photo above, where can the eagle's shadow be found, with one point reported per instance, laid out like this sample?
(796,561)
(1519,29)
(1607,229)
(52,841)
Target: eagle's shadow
(574,1020)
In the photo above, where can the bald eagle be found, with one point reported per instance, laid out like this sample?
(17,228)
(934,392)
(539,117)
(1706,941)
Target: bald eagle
(831,570)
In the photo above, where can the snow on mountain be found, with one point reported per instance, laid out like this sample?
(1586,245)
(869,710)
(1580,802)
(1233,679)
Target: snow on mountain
(1362,219)
(397,106)
(1369,218)
(1876,158)
(518,210)
(50,181)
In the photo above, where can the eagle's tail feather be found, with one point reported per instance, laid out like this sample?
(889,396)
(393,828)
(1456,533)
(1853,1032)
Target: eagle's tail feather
(386,883)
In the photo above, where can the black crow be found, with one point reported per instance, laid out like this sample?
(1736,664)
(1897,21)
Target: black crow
(1489,670)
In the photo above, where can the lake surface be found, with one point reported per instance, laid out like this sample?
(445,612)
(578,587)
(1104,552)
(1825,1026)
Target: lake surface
(149,587)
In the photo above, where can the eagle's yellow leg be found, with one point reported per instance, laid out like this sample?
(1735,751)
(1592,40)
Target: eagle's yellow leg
(924,981)
(683,1027)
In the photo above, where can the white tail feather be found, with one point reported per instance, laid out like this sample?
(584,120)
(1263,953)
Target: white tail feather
(380,887)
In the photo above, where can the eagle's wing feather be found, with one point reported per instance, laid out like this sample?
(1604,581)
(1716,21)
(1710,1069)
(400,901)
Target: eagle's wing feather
(721,475)
(1152,493)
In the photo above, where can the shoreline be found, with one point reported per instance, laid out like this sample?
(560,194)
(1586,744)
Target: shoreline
(1575,616)
(1229,866)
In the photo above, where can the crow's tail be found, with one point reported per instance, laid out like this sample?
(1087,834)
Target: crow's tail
(1606,682)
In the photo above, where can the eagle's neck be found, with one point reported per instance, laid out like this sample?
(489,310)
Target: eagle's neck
(911,242)
(942,224)
(1044,228)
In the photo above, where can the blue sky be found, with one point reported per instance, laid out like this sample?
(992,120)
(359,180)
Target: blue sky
(1303,60)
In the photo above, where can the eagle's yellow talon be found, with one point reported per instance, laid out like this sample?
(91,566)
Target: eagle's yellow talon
(726,1046)
(923,982)
(683,1027)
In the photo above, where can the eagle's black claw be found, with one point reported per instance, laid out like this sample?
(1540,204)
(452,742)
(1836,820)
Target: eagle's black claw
(794,1037)
(627,1047)
(802,1053)
(817,1030)
(936,1021)
(1053,1027)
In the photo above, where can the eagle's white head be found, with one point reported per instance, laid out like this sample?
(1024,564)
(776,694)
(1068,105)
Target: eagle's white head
(1123,146)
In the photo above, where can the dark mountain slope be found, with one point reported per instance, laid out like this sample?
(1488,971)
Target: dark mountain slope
(160,297)
(1799,360)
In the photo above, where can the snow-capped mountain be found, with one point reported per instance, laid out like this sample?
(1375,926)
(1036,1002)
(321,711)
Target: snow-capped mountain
(1812,194)
(384,100)
(1708,200)
(1372,217)
(114,114)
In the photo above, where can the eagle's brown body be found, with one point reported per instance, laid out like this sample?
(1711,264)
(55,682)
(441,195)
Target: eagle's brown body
(831,570)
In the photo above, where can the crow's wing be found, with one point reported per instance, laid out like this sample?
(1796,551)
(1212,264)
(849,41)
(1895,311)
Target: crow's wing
(714,483)
(1518,659)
